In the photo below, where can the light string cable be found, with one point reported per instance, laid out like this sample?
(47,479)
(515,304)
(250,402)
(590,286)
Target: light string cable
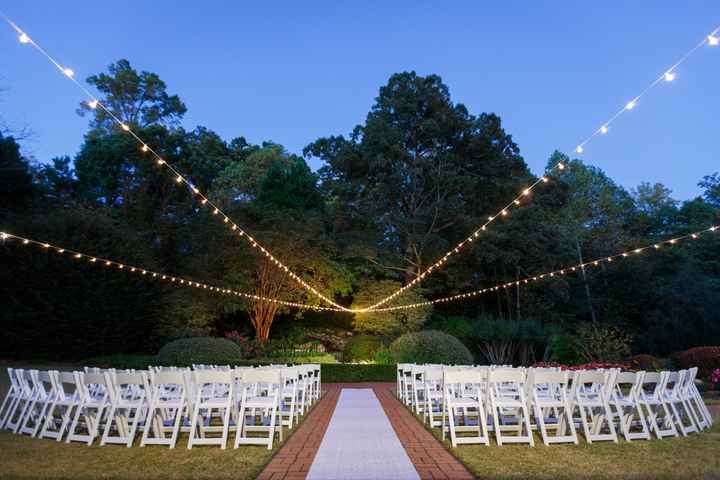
(559,272)
(177,281)
(668,75)
(94,103)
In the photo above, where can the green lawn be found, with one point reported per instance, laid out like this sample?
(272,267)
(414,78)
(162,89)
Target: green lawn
(24,457)
(694,457)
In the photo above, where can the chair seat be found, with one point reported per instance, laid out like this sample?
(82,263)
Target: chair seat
(259,402)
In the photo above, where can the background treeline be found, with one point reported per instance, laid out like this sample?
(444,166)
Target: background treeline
(407,184)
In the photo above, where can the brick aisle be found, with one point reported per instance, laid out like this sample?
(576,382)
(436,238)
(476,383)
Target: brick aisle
(293,460)
(431,460)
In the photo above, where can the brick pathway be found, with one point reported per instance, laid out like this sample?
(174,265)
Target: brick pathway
(430,458)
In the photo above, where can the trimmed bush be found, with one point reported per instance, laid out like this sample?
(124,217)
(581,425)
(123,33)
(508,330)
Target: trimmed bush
(204,350)
(706,359)
(361,348)
(357,372)
(122,361)
(430,346)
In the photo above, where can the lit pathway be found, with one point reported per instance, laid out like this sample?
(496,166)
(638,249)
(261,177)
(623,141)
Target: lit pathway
(431,460)
(360,443)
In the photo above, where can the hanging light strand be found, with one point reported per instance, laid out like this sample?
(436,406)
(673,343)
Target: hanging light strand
(668,75)
(150,274)
(94,102)
(556,273)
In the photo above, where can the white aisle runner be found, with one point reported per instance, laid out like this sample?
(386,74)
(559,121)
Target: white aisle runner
(360,443)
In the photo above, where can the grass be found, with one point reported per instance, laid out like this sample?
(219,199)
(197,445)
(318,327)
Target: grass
(23,457)
(694,457)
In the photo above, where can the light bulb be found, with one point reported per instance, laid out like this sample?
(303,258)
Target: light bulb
(604,129)
(713,41)
(24,38)
(68,72)
(561,166)
(93,104)
(125,127)
(144,148)
(669,76)
(579,149)
(179,179)
(631,104)
(160,161)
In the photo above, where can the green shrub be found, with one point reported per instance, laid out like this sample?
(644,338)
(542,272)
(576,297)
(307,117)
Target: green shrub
(603,343)
(430,346)
(563,348)
(384,357)
(136,362)
(361,348)
(204,350)
(357,372)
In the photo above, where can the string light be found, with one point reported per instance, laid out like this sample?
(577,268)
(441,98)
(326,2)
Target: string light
(24,38)
(551,274)
(710,39)
(156,275)
(713,41)
(93,104)
(669,76)
(604,129)
(160,161)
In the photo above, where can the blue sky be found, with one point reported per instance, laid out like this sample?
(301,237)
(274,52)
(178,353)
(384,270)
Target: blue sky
(292,72)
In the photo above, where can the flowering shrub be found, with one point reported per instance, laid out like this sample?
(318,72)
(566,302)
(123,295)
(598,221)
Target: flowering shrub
(585,366)
(250,348)
(706,359)
(715,379)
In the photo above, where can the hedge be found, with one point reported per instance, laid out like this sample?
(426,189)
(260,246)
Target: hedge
(430,346)
(331,372)
(357,372)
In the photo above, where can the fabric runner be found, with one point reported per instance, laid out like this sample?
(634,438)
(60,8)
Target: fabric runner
(360,443)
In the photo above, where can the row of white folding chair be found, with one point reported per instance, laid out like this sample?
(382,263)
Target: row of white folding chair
(592,395)
(62,400)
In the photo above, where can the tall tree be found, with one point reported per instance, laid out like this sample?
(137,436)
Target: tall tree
(137,99)
(420,171)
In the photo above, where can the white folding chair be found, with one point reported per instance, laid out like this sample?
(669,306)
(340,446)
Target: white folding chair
(24,396)
(59,413)
(652,398)
(695,400)
(168,408)
(547,394)
(94,400)
(290,397)
(214,391)
(624,400)
(259,407)
(506,390)
(128,406)
(589,397)
(11,398)
(43,392)
(433,409)
(417,375)
(464,415)
(675,397)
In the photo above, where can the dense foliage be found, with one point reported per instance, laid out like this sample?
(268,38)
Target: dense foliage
(199,350)
(430,346)
(362,348)
(408,183)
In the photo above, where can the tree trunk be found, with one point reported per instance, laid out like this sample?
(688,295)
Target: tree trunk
(585,282)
